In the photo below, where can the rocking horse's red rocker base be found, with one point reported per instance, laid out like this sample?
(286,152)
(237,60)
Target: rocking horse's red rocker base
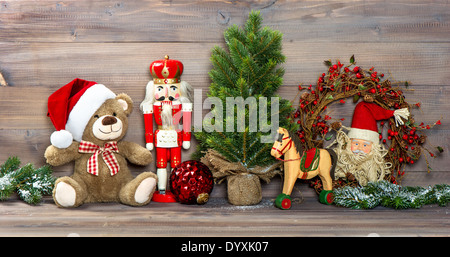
(326,197)
(284,201)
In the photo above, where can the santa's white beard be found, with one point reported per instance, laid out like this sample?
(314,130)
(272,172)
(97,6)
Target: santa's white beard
(364,167)
(166,116)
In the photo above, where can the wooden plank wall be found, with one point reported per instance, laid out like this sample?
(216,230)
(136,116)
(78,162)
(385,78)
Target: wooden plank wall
(45,44)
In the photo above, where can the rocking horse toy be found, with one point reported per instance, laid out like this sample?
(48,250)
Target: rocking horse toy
(313,162)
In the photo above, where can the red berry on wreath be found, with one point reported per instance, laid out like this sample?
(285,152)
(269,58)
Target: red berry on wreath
(191,182)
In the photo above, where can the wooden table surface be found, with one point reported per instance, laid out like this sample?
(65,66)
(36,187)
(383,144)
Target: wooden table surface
(45,44)
(218,218)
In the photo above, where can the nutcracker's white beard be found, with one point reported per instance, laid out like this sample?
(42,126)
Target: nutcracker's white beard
(364,167)
(166,116)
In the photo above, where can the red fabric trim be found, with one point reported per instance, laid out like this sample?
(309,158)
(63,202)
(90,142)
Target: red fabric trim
(148,124)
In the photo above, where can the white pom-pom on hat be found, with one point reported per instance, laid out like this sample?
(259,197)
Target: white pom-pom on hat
(61,139)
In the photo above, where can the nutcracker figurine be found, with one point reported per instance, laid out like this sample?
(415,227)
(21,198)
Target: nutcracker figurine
(167,99)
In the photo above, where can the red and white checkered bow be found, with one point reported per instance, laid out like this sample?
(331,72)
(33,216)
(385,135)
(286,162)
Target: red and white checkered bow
(107,154)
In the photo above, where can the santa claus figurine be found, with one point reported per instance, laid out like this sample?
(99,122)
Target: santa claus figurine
(167,99)
(360,153)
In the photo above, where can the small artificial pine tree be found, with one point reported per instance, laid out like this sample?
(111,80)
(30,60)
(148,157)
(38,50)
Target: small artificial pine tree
(249,70)
(30,183)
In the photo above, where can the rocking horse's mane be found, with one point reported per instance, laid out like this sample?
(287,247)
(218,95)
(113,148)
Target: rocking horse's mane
(296,140)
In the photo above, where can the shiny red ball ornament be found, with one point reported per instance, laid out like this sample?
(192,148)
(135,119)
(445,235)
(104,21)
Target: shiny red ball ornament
(191,182)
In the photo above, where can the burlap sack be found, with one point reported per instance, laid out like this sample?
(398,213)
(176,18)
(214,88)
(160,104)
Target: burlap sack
(243,185)
(244,189)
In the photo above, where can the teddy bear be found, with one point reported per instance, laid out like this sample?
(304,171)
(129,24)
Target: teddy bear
(90,122)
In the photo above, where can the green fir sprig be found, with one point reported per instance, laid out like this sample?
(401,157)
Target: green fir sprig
(29,183)
(391,195)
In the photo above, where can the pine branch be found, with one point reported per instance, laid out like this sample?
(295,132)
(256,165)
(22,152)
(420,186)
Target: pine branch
(264,150)
(222,69)
(7,186)
(30,183)
(273,41)
(269,67)
(253,24)
(224,56)
(234,32)
(391,195)
(215,144)
(12,163)
(226,140)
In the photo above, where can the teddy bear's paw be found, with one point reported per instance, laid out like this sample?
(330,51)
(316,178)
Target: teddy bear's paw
(65,195)
(144,190)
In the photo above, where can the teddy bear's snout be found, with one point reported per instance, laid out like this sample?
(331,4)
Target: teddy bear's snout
(109,120)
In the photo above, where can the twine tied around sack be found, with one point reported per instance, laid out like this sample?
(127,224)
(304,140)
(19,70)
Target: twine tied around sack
(243,185)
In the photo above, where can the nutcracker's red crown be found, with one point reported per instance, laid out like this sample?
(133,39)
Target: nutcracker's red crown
(166,71)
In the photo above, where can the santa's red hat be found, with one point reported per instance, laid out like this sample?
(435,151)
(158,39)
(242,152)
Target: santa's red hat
(71,107)
(365,117)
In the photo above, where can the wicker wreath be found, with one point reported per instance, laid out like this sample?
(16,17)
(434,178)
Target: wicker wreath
(343,83)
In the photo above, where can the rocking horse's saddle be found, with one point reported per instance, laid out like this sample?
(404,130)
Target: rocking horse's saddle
(311,158)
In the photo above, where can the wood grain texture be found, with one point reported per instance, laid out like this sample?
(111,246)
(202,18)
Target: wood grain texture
(200,21)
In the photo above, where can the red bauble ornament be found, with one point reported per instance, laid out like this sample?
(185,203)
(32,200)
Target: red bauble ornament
(191,182)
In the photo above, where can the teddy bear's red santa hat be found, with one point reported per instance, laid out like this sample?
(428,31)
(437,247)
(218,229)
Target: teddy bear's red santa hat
(71,107)
(365,117)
